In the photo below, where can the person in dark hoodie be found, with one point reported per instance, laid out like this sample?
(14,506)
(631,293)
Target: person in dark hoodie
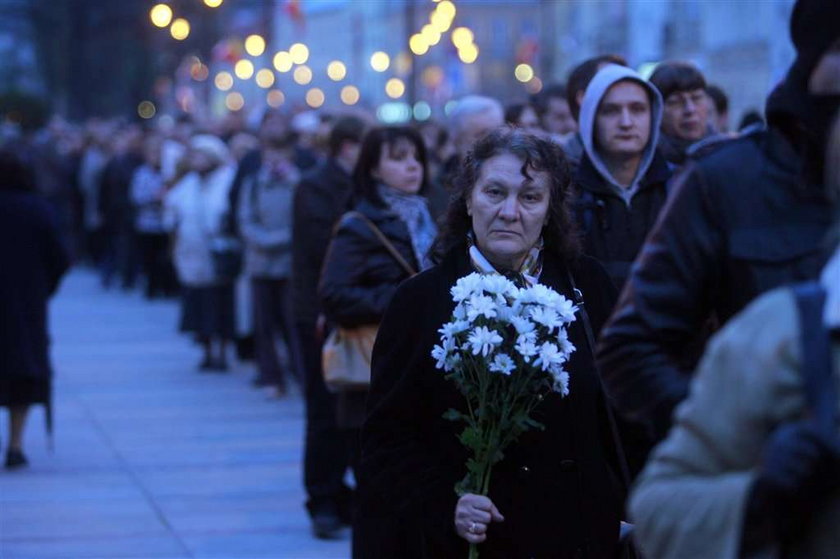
(621,175)
(750,216)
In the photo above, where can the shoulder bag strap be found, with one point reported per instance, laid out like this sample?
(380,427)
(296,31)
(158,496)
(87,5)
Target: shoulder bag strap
(384,240)
(815,343)
(590,340)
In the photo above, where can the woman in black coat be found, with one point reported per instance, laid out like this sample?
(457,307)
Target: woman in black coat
(556,492)
(33,260)
(360,275)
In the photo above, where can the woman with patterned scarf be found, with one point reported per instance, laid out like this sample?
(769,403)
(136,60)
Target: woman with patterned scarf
(361,273)
(555,493)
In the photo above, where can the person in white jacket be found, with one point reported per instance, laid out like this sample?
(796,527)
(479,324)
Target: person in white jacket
(195,211)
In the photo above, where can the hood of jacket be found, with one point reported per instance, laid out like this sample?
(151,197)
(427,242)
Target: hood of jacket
(607,77)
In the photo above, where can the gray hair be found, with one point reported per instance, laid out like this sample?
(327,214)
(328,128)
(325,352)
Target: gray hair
(472,105)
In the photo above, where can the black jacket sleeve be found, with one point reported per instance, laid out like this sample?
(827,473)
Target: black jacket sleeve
(350,295)
(399,474)
(664,305)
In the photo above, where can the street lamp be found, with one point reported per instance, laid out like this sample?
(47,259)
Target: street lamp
(213,3)
(180,29)
(161,15)
(265,78)
(254,45)
(243,69)
(299,53)
(380,61)
(283,61)
(350,95)
(314,97)
(336,70)
(394,88)
(302,75)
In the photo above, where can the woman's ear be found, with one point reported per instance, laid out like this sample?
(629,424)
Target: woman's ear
(469,207)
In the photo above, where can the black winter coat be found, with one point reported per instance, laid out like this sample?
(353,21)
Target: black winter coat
(321,198)
(739,222)
(612,231)
(34,260)
(360,276)
(556,488)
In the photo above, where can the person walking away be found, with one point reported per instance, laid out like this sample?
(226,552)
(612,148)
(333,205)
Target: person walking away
(622,174)
(34,260)
(361,273)
(265,223)
(321,198)
(194,210)
(748,217)
(751,467)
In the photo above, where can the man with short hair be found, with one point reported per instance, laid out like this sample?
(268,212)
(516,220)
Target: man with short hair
(555,111)
(473,118)
(322,197)
(686,113)
(622,175)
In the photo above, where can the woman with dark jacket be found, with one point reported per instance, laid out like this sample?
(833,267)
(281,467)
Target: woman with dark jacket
(555,494)
(34,259)
(360,275)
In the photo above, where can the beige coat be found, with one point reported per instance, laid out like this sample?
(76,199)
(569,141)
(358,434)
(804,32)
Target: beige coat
(690,500)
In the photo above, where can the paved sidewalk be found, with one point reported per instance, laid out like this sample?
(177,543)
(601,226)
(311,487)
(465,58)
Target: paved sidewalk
(152,459)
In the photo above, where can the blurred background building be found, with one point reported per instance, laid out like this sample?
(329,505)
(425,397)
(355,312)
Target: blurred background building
(401,58)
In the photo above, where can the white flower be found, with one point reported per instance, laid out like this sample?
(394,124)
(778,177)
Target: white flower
(484,340)
(563,342)
(522,325)
(481,305)
(549,355)
(502,364)
(498,285)
(527,338)
(566,309)
(439,355)
(526,349)
(460,312)
(466,286)
(546,316)
(561,383)
(455,327)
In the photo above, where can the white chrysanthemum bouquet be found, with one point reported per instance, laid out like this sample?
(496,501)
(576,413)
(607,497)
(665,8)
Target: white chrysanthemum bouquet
(505,349)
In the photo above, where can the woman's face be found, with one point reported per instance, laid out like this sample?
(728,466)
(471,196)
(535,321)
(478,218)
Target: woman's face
(399,166)
(508,210)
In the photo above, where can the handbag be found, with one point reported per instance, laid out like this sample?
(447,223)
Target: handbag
(626,548)
(347,352)
(226,255)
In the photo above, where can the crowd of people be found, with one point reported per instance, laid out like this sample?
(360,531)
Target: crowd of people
(631,191)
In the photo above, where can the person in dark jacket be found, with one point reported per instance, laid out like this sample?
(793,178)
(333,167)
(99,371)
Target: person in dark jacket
(121,253)
(751,216)
(555,493)
(685,120)
(34,260)
(622,175)
(321,198)
(360,274)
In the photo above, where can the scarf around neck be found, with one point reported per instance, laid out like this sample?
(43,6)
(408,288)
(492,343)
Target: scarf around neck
(528,273)
(413,210)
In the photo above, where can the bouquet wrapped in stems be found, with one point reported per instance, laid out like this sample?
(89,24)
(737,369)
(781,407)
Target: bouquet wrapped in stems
(505,349)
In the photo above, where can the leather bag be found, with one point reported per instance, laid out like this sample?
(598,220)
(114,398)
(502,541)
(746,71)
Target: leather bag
(346,354)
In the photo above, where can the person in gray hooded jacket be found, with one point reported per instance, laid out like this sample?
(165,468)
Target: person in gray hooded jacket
(621,177)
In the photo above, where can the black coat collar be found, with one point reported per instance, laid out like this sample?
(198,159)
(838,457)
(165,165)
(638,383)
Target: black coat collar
(588,177)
